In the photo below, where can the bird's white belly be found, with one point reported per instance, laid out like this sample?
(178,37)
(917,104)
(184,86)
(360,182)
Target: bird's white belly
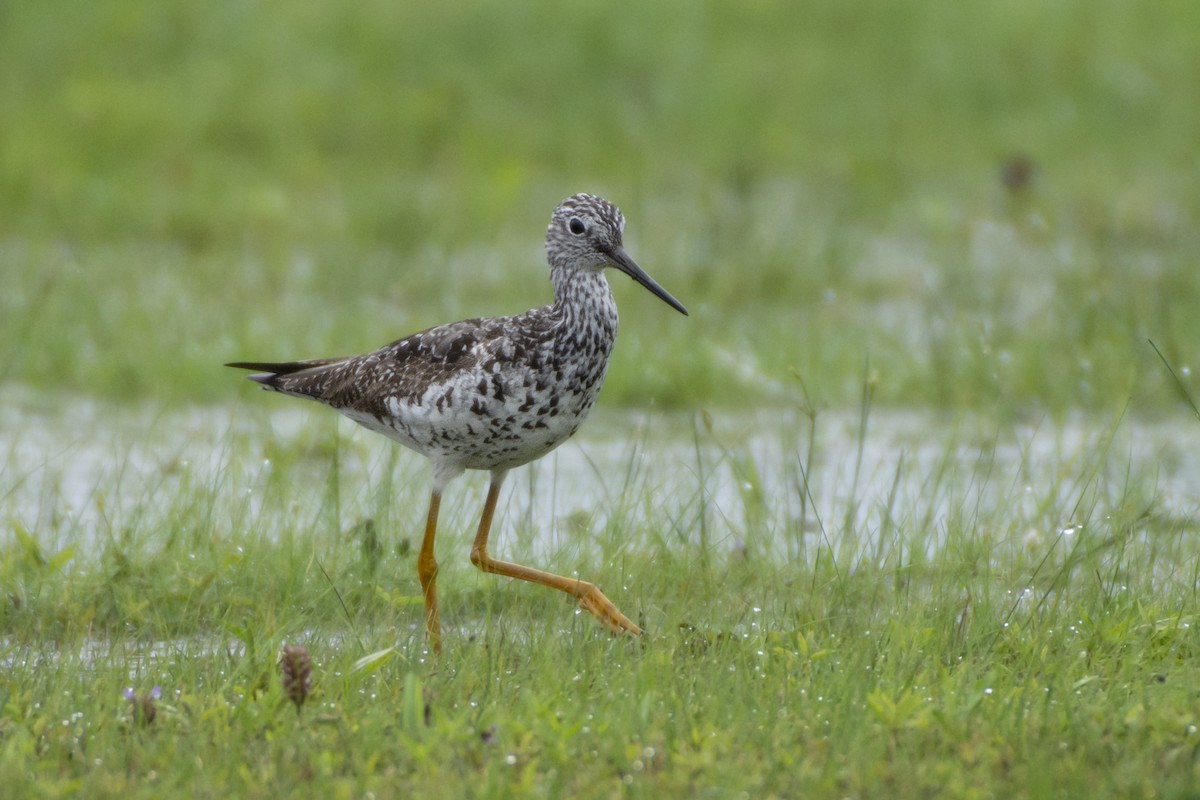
(475,430)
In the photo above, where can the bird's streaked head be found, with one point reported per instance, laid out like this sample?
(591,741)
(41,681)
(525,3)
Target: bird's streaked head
(585,233)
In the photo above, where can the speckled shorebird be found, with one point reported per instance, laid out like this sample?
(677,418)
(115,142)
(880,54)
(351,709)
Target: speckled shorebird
(492,394)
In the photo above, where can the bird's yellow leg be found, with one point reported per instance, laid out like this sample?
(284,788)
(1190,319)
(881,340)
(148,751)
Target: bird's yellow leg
(590,598)
(427,573)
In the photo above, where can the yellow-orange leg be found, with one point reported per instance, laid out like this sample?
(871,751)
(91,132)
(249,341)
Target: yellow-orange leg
(427,573)
(590,598)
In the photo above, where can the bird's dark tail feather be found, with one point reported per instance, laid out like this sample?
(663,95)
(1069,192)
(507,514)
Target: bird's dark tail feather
(282,368)
(268,373)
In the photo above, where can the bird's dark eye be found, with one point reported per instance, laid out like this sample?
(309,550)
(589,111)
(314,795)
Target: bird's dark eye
(576,226)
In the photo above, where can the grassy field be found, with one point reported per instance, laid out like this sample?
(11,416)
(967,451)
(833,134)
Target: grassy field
(907,504)
(987,610)
(281,181)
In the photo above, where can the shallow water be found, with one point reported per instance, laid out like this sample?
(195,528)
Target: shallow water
(76,473)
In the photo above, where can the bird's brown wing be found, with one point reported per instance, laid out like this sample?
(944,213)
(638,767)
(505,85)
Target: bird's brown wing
(405,368)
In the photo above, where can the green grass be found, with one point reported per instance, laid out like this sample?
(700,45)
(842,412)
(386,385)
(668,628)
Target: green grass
(907,504)
(1013,614)
(819,184)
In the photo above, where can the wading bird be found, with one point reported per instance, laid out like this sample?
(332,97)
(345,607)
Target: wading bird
(492,394)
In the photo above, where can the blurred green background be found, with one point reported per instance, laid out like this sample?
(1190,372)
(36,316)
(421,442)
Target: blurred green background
(990,204)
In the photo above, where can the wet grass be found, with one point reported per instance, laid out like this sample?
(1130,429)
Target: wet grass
(831,609)
(909,506)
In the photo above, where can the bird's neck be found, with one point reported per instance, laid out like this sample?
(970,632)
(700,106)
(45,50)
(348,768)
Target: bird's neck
(584,300)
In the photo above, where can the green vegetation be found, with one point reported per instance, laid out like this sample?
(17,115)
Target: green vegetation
(962,220)
(1008,616)
(818,183)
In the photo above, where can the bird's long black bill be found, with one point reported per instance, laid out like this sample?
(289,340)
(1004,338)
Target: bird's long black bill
(623,262)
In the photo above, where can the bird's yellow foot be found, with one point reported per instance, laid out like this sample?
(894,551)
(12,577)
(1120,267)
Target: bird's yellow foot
(593,601)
